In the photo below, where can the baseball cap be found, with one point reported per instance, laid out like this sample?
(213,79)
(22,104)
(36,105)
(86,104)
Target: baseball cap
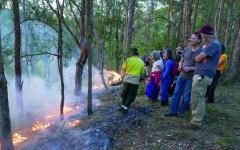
(207,29)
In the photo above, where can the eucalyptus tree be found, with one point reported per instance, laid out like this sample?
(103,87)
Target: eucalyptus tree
(5,122)
(17,54)
(129,25)
(187,21)
(25,37)
(59,14)
(218,26)
(234,72)
(229,17)
(80,39)
(194,15)
(89,33)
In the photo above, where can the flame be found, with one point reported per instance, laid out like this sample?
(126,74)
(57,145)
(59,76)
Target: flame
(39,126)
(97,87)
(74,123)
(77,107)
(65,110)
(115,76)
(17,138)
(50,116)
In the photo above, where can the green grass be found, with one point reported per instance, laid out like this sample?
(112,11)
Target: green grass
(227,141)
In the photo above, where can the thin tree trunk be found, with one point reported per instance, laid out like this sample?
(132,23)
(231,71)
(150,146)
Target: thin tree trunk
(180,20)
(195,15)
(234,36)
(169,23)
(89,31)
(154,24)
(46,67)
(117,55)
(229,16)
(101,52)
(129,29)
(187,5)
(59,13)
(17,53)
(210,12)
(220,19)
(234,72)
(26,38)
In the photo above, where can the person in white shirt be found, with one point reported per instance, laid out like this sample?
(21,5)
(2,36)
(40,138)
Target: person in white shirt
(153,86)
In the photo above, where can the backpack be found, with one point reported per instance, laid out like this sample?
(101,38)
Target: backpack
(175,71)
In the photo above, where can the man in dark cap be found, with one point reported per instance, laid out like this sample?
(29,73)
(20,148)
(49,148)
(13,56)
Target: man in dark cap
(131,70)
(207,62)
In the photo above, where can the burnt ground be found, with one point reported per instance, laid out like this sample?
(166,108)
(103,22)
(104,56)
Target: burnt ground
(145,127)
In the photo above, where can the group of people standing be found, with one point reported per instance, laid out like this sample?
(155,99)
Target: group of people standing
(200,68)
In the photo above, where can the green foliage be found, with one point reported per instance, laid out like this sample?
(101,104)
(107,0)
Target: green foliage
(150,28)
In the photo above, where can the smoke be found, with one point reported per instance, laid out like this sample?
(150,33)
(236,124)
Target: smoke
(41,99)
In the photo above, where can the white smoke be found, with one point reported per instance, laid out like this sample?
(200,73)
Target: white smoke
(40,99)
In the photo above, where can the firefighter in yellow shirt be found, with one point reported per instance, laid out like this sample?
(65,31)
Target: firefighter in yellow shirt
(131,70)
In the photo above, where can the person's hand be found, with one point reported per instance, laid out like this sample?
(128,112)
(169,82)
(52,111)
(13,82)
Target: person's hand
(180,69)
(186,69)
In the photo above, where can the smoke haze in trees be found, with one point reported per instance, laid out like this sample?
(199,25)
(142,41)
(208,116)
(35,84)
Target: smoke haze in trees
(40,97)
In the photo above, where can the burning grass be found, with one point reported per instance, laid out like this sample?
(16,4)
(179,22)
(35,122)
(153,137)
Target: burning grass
(45,123)
(40,126)
(75,123)
(18,138)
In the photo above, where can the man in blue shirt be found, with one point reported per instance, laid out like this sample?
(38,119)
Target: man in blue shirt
(207,62)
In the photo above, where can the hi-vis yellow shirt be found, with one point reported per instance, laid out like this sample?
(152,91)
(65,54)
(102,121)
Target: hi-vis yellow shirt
(134,66)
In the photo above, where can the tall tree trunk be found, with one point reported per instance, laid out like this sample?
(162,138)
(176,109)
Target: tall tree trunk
(5,122)
(17,53)
(84,54)
(60,56)
(154,23)
(46,67)
(129,29)
(187,4)
(210,12)
(229,16)
(216,16)
(101,53)
(118,53)
(180,20)
(89,31)
(234,36)
(26,37)
(220,19)
(194,16)
(59,14)
(169,22)
(234,72)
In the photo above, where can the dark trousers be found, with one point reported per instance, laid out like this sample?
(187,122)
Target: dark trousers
(211,88)
(129,93)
